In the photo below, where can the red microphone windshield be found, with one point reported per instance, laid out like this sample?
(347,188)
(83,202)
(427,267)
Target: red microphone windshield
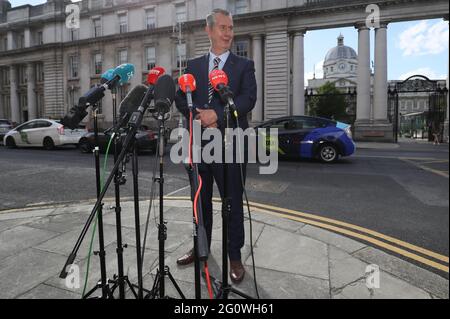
(154,74)
(218,77)
(187,80)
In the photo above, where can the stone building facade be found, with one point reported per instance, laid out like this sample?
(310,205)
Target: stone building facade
(45,66)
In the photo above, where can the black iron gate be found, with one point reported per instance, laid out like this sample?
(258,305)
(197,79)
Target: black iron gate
(434,117)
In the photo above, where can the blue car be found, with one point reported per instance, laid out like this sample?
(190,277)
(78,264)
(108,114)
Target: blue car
(312,137)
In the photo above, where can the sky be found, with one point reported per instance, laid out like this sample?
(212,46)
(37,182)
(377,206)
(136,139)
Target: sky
(415,47)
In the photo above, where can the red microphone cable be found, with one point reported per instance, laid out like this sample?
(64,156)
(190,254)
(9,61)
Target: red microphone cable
(188,85)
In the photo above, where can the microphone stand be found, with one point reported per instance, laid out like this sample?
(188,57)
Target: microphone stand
(103,284)
(119,179)
(223,289)
(158,289)
(201,249)
(134,123)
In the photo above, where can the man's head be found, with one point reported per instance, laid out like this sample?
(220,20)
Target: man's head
(220,29)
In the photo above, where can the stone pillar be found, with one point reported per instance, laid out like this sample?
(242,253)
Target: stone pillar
(381,80)
(381,130)
(446,123)
(2,109)
(31,87)
(14,95)
(298,71)
(363,85)
(257,114)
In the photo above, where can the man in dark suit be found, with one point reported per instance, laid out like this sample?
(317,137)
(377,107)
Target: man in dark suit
(210,111)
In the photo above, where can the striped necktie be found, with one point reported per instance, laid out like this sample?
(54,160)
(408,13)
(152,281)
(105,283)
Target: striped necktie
(211,89)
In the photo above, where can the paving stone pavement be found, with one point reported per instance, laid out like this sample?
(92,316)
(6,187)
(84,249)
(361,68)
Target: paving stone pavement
(293,260)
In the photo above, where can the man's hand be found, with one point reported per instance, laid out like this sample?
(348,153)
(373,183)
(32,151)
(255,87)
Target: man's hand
(207,117)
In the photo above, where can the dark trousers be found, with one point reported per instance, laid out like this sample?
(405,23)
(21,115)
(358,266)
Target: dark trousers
(209,173)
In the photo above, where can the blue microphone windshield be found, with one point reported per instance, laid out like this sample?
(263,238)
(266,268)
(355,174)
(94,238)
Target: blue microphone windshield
(125,72)
(107,76)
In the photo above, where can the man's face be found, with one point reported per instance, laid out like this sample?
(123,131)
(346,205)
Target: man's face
(221,34)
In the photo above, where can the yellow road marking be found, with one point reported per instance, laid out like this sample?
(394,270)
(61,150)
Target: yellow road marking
(280,211)
(368,239)
(431,170)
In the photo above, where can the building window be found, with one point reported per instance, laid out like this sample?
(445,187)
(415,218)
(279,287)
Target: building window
(180,12)
(74,34)
(332,69)
(97,27)
(73,66)
(238,6)
(122,56)
(22,74)
(97,63)
(5,44)
(39,72)
(150,58)
(39,38)
(181,55)
(123,23)
(150,19)
(241,48)
(4,73)
(20,41)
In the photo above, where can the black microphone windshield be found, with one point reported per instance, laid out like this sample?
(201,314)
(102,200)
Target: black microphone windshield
(131,102)
(164,93)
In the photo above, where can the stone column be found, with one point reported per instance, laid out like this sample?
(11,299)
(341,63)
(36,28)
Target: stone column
(14,95)
(363,85)
(381,71)
(257,114)
(298,71)
(31,86)
(446,123)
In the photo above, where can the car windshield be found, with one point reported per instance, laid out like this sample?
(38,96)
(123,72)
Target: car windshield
(5,122)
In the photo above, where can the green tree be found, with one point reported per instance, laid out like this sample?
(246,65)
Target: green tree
(329,102)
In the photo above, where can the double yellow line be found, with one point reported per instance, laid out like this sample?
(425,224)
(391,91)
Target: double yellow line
(403,248)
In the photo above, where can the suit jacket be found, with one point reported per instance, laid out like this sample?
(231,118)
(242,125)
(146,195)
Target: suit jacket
(242,82)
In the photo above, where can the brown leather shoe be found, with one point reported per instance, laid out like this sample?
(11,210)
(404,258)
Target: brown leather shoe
(187,259)
(237,271)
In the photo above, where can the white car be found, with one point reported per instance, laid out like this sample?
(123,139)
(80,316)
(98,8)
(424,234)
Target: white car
(42,132)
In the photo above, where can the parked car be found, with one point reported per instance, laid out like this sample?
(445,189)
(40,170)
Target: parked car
(311,137)
(146,141)
(5,127)
(42,132)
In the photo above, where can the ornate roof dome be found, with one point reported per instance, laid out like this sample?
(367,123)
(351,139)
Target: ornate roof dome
(340,52)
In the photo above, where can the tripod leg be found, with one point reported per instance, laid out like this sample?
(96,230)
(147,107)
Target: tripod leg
(175,284)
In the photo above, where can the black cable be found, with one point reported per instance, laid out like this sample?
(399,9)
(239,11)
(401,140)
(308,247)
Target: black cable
(249,214)
(152,197)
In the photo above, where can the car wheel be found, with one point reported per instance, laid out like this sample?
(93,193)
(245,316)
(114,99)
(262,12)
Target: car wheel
(85,146)
(10,143)
(328,153)
(48,143)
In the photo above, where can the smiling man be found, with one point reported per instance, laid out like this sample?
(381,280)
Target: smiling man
(209,110)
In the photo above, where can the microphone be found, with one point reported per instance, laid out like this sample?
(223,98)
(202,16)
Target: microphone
(153,78)
(121,75)
(107,76)
(164,94)
(188,85)
(219,81)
